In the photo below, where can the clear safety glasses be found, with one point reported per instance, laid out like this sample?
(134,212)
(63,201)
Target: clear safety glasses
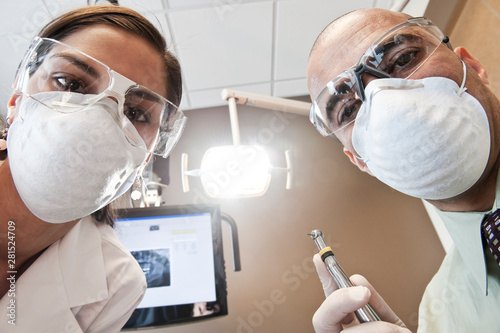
(50,65)
(398,53)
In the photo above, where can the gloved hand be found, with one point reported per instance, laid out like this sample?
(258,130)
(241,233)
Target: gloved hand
(336,312)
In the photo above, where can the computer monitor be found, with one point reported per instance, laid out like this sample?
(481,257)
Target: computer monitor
(179,248)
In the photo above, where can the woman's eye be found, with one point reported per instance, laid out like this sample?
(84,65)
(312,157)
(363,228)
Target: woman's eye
(135,114)
(66,83)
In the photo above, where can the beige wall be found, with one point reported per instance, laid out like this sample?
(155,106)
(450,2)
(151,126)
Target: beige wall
(373,230)
(476,27)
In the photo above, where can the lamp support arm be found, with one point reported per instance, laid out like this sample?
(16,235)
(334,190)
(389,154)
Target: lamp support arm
(233,115)
(267,102)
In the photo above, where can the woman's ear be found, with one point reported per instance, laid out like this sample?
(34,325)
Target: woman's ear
(357,162)
(144,164)
(11,106)
(464,55)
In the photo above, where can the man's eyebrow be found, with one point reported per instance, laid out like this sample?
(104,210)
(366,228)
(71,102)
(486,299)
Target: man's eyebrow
(395,41)
(79,63)
(330,105)
(341,89)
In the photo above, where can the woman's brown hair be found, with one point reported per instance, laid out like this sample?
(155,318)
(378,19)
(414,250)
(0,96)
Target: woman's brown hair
(128,20)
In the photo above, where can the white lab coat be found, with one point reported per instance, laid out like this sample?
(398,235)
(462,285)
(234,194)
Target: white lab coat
(85,282)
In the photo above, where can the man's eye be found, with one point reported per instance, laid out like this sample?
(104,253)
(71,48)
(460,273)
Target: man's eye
(404,59)
(401,64)
(341,92)
(349,111)
(67,83)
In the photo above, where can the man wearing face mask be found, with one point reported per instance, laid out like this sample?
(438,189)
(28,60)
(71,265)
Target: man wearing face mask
(94,99)
(420,117)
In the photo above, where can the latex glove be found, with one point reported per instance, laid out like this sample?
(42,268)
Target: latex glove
(336,312)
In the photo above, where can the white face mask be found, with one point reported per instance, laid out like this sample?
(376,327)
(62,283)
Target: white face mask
(426,138)
(68,165)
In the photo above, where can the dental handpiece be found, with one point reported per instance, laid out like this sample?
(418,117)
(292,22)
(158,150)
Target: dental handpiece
(363,314)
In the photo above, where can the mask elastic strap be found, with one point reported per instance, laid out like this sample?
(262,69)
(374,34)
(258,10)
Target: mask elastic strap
(359,158)
(462,88)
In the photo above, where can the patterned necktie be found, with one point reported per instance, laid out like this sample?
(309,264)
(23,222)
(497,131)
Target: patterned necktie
(491,231)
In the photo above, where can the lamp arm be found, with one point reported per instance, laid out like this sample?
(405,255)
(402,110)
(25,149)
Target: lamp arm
(288,169)
(267,102)
(289,175)
(184,170)
(233,115)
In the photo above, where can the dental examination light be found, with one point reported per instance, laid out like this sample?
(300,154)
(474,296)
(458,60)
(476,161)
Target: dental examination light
(242,171)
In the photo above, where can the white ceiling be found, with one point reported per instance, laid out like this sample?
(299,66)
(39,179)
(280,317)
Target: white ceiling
(258,46)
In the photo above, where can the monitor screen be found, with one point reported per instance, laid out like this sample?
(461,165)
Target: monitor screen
(179,249)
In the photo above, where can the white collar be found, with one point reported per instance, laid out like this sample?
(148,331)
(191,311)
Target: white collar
(82,264)
(465,230)
(69,273)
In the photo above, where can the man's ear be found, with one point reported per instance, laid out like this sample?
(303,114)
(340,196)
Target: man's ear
(357,162)
(11,106)
(464,55)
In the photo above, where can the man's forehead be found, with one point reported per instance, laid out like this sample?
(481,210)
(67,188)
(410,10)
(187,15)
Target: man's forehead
(362,26)
(343,43)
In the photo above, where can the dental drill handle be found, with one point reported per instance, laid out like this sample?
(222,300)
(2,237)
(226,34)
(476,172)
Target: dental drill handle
(364,314)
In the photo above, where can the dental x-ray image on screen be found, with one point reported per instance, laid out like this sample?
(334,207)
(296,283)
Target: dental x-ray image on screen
(156,266)
(179,249)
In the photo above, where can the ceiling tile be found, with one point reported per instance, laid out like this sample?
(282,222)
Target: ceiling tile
(290,88)
(385,3)
(190,3)
(298,23)
(218,50)
(22,17)
(142,6)
(221,5)
(57,7)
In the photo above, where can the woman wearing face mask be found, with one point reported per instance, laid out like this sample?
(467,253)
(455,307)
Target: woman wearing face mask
(95,97)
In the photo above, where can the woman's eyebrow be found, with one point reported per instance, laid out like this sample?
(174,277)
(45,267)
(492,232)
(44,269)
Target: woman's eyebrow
(79,63)
(144,95)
